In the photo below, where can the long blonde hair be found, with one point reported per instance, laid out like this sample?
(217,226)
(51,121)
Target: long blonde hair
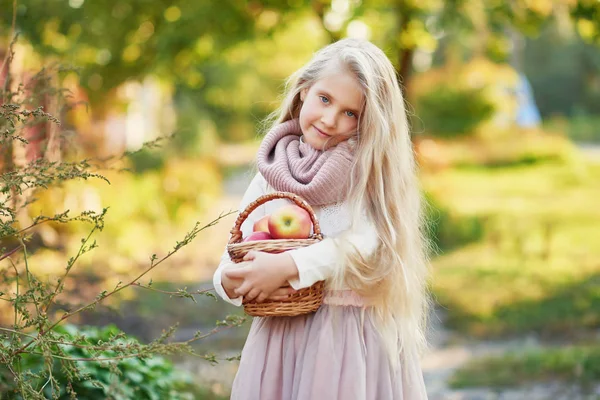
(384,186)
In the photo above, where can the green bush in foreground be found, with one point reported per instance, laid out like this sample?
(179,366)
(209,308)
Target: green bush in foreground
(150,377)
(453,112)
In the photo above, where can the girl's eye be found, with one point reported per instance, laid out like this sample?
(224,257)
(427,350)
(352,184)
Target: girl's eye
(350,114)
(324,99)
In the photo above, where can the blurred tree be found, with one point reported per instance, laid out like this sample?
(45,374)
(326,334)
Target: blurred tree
(586,14)
(564,72)
(126,40)
(454,111)
(189,44)
(183,43)
(114,41)
(469,27)
(400,27)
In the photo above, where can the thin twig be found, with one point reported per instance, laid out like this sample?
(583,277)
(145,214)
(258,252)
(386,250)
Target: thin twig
(153,265)
(49,365)
(10,253)
(29,275)
(59,342)
(178,294)
(135,355)
(90,358)
(210,333)
(100,298)
(33,225)
(17,332)
(17,291)
(61,281)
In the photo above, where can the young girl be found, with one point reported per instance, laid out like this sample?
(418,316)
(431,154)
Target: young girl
(341,141)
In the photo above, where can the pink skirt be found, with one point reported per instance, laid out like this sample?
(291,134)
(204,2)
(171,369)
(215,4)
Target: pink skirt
(335,353)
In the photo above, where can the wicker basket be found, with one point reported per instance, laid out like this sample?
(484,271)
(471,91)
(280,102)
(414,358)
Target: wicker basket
(304,301)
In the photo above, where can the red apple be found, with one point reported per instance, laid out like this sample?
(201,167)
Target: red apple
(258,236)
(262,225)
(290,222)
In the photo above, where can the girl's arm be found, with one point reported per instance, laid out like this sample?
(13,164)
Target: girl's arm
(267,275)
(256,189)
(318,261)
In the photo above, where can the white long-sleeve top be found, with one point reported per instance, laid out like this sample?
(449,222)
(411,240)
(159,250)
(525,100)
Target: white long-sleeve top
(315,262)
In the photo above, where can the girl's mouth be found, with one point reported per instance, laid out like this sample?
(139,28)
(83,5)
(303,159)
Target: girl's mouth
(321,133)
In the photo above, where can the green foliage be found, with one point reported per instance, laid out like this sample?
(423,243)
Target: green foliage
(581,127)
(148,377)
(563,71)
(535,269)
(589,12)
(35,362)
(575,364)
(450,111)
(448,230)
(584,127)
(567,310)
(194,49)
(146,160)
(127,40)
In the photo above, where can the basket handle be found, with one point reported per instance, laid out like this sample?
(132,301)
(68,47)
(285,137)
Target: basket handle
(236,232)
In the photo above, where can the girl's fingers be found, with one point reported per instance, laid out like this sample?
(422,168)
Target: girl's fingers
(243,289)
(283,291)
(261,297)
(236,273)
(251,255)
(252,294)
(282,294)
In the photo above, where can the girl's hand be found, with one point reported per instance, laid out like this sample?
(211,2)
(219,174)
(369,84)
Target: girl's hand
(229,285)
(266,275)
(282,293)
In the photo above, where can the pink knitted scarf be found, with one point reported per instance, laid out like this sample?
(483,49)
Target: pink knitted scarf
(290,165)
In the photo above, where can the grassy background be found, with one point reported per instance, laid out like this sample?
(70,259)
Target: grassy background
(534,269)
(537,265)
(575,364)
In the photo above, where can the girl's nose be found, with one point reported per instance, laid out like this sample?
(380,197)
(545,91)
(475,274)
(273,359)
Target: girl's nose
(328,118)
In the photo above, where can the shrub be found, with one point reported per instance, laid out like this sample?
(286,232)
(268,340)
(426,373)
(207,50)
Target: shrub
(151,377)
(449,111)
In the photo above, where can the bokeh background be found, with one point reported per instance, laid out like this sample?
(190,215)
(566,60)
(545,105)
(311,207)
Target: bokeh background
(504,100)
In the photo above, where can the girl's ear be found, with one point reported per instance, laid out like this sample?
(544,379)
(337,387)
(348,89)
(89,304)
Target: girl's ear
(303,94)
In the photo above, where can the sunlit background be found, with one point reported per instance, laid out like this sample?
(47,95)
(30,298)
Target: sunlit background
(504,100)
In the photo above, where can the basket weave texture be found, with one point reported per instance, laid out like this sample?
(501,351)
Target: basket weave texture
(304,301)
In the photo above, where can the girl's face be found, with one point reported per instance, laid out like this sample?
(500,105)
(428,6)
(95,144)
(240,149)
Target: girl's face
(330,109)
